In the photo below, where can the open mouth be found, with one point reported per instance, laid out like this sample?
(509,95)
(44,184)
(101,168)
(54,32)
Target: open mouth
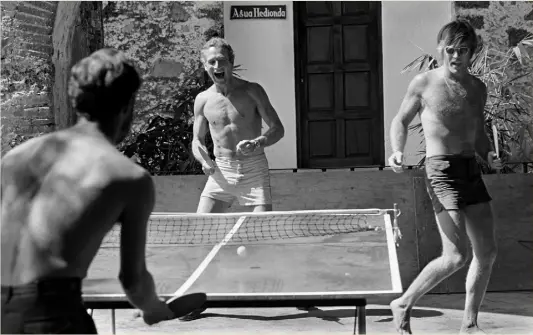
(219,75)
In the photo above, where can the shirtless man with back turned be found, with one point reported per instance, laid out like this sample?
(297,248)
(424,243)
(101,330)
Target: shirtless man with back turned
(233,109)
(450,102)
(61,193)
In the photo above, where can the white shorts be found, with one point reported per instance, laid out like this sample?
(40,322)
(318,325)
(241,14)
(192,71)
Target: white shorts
(246,179)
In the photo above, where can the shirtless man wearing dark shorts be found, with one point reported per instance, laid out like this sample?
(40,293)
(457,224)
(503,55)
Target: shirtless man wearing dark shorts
(450,103)
(233,109)
(61,193)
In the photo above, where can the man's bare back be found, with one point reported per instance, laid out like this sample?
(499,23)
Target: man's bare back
(451,112)
(232,118)
(65,191)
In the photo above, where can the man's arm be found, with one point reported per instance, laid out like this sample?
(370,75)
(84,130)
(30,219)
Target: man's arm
(136,281)
(482,144)
(275,131)
(199,131)
(410,106)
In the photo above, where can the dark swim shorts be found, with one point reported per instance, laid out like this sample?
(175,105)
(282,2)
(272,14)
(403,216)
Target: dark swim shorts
(51,306)
(454,182)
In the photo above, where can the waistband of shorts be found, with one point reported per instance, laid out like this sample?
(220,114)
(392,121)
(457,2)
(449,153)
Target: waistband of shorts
(49,285)
(244,159)
(465,155)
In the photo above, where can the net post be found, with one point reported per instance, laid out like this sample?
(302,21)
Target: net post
(395,227)
(113,326)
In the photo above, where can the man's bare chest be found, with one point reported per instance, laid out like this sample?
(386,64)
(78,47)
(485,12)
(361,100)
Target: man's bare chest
(238,108)
(454,104)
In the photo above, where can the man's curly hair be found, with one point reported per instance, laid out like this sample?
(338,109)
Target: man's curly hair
(102,83)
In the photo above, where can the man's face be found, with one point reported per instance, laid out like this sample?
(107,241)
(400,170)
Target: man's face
(456,57)
(217,65)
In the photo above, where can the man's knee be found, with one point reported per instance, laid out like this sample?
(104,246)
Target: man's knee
(457,259)
(488,254)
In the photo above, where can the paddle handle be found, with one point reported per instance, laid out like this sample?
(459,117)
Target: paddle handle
(495,137)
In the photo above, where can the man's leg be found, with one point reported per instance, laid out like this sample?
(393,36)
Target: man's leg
(261,208)
(452,230)
(480,228)
(210,205)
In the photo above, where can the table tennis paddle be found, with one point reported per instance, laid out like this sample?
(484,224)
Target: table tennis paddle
(186,304)
(185,307)
(495,138)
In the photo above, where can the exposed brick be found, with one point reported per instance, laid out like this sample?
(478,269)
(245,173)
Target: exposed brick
(35,29)
(37,112)
(47,49)
(37,100)
(529,16)
(34,20)
(8,13)
(477,21)
(32,10)
(33,53)
(48,6)
(473,4)
(37,38)
(42,122)
(515,35)
(10,5)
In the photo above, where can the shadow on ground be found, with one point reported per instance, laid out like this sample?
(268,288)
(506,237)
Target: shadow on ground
(518,303)
(326,315)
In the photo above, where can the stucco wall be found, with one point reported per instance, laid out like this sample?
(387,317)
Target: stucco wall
(407,27)
(265,49)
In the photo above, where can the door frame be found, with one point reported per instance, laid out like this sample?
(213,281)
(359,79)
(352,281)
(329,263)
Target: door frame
(299,85)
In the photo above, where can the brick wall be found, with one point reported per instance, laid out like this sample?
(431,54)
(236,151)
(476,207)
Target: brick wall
(40,42)
(26,102)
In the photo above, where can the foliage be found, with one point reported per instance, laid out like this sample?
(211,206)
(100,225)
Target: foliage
(508,106)
(163,146)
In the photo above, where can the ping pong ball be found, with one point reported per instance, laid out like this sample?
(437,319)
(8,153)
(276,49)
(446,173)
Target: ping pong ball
(241,250)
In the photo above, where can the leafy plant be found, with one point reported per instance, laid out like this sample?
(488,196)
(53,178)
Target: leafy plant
(508,105)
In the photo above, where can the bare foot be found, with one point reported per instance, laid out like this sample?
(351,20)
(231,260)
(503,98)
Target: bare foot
(401,316)
(471,329)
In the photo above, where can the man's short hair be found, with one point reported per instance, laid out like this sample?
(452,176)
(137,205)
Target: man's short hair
(221,43)
(458,32)
(102,83)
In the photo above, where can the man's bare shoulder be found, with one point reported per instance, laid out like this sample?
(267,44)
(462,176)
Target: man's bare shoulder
(421,81)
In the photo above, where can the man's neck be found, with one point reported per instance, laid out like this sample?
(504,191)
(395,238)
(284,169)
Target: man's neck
(94,128)
(226,88)
(459,76)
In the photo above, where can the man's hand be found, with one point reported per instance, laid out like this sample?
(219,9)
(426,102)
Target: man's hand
(209,167)
(396,162)
(155,314)
(494,161)
(246,147)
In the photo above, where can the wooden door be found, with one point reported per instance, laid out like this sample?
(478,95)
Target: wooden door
(339,90)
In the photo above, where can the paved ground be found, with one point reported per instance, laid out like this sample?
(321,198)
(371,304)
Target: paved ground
(502,313)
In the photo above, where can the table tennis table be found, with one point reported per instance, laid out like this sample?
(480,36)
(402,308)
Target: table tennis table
(297,259)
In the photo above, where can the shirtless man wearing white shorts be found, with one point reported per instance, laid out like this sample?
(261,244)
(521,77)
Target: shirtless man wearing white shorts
(233,109)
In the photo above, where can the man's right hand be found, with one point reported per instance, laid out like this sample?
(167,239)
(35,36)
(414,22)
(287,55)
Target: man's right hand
(208,169)
(155,314)
(396,162)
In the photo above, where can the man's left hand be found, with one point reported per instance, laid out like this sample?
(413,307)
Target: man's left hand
(246,147)
(494,161)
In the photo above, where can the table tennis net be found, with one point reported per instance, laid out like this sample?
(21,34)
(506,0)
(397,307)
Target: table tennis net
(181,229)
